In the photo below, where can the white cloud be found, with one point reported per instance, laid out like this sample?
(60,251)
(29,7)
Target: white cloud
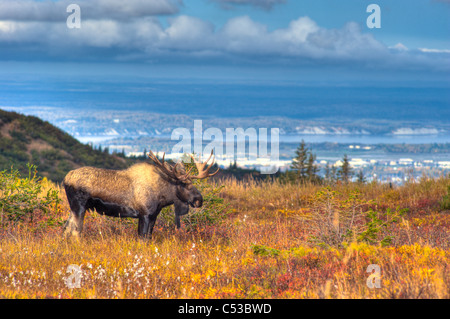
(28,10)
(21,32)
(399,47)
(426,50)
(190,33)
(243,36)
(346,43)
(243,28)
(303,38)
(298,30)
(99,33)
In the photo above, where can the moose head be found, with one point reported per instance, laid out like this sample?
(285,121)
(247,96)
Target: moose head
(185,190)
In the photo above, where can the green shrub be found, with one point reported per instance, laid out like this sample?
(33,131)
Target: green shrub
(376,222)
(262,250)
(22,197)
(213,211)
(336,221)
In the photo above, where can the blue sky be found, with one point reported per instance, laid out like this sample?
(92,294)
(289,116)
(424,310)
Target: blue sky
(274,39)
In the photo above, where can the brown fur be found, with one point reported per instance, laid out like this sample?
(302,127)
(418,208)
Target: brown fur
(129,187)
(140,191)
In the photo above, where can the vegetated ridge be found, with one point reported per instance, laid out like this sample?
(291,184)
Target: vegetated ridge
(28,139)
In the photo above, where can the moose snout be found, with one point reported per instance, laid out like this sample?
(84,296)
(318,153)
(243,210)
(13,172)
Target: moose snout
(198,202)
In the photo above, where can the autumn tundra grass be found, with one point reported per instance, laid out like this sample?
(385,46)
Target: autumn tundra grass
(251,239)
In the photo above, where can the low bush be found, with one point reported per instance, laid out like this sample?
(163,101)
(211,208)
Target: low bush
(337,221)
(21,197)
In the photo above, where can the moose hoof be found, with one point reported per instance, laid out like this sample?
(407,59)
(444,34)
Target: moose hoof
(71,234)
(145,236)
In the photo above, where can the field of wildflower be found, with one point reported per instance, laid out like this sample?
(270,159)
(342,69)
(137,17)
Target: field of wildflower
(267,240)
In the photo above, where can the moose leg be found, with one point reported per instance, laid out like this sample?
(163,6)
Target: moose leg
(177,221)
(143,225)
(146,224)
(77,203)
(74,224)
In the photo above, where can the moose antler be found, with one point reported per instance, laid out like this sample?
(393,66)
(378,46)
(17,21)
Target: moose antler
(172,172)
(168,169)
(202,172)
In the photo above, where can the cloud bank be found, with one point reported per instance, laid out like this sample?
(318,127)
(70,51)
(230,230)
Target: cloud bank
(114,30)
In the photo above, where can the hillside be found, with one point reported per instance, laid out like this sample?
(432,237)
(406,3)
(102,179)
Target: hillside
(28,139)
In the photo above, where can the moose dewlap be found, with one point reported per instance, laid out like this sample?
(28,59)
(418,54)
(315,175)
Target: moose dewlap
(140,191)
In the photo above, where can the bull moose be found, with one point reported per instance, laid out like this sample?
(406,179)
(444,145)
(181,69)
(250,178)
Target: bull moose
(140,191)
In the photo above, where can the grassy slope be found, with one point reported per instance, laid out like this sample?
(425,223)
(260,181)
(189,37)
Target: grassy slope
(262,250)
(25,139)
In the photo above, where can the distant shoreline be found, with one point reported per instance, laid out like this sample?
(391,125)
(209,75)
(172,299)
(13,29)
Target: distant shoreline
(101,125)
(314,139)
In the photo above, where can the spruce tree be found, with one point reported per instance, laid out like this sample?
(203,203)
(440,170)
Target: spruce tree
(327,173)
(311,168)
(345,173)
(300,161)
(361,179)
(334,173)
(330,173)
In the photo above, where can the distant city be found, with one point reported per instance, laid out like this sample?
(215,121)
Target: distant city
(394,171)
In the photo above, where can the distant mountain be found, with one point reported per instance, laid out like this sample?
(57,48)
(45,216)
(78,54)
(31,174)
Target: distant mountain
(28,139)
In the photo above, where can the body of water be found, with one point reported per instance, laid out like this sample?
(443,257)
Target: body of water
(423,104)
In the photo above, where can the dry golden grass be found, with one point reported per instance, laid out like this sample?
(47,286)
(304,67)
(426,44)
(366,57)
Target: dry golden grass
(262,250)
